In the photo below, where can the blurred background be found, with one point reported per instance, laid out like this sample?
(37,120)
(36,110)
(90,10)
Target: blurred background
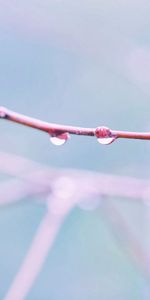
(83,63)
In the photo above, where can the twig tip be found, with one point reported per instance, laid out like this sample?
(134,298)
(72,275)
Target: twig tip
(3,112)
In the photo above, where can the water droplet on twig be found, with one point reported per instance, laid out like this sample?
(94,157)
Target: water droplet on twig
(104,135)
(106,141)
(59,139)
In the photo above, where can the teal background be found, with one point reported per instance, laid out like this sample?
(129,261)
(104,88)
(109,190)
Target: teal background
(83,63)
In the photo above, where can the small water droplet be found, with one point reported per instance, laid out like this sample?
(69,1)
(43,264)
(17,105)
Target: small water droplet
(59,139)
(106,140)
(104,135)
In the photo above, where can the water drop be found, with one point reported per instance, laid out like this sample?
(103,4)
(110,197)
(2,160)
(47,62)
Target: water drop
(59,139)
(104,135)
(106,140)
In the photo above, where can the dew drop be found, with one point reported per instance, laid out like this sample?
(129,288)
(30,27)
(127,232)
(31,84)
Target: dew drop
(104,135)
(106,140)
(59,139)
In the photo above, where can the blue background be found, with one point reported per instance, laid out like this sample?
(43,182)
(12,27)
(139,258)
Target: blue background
(84,63)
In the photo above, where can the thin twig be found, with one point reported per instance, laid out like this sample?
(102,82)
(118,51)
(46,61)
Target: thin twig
(41,125)
(56,129)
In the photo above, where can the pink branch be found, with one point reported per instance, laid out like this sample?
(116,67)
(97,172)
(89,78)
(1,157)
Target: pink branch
(18,190)
(66,184)
(35,258)
(41,125)
(56,129)
(90,184)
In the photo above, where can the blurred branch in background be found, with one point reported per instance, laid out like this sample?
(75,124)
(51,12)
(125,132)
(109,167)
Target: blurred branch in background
(45,180)
(35,258)
(19,190)
(61,189)
(125,237)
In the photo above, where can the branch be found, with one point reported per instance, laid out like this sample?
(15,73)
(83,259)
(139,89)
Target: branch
(19,190)
(62,184)
(103,134)
(36,256)
(41,125)
(90,184)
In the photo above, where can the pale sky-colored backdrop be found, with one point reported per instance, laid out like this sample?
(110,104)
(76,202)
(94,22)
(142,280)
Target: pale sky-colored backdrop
(82,63)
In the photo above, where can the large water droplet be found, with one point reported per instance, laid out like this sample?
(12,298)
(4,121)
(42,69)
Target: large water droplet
(59,139)
(106,140)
